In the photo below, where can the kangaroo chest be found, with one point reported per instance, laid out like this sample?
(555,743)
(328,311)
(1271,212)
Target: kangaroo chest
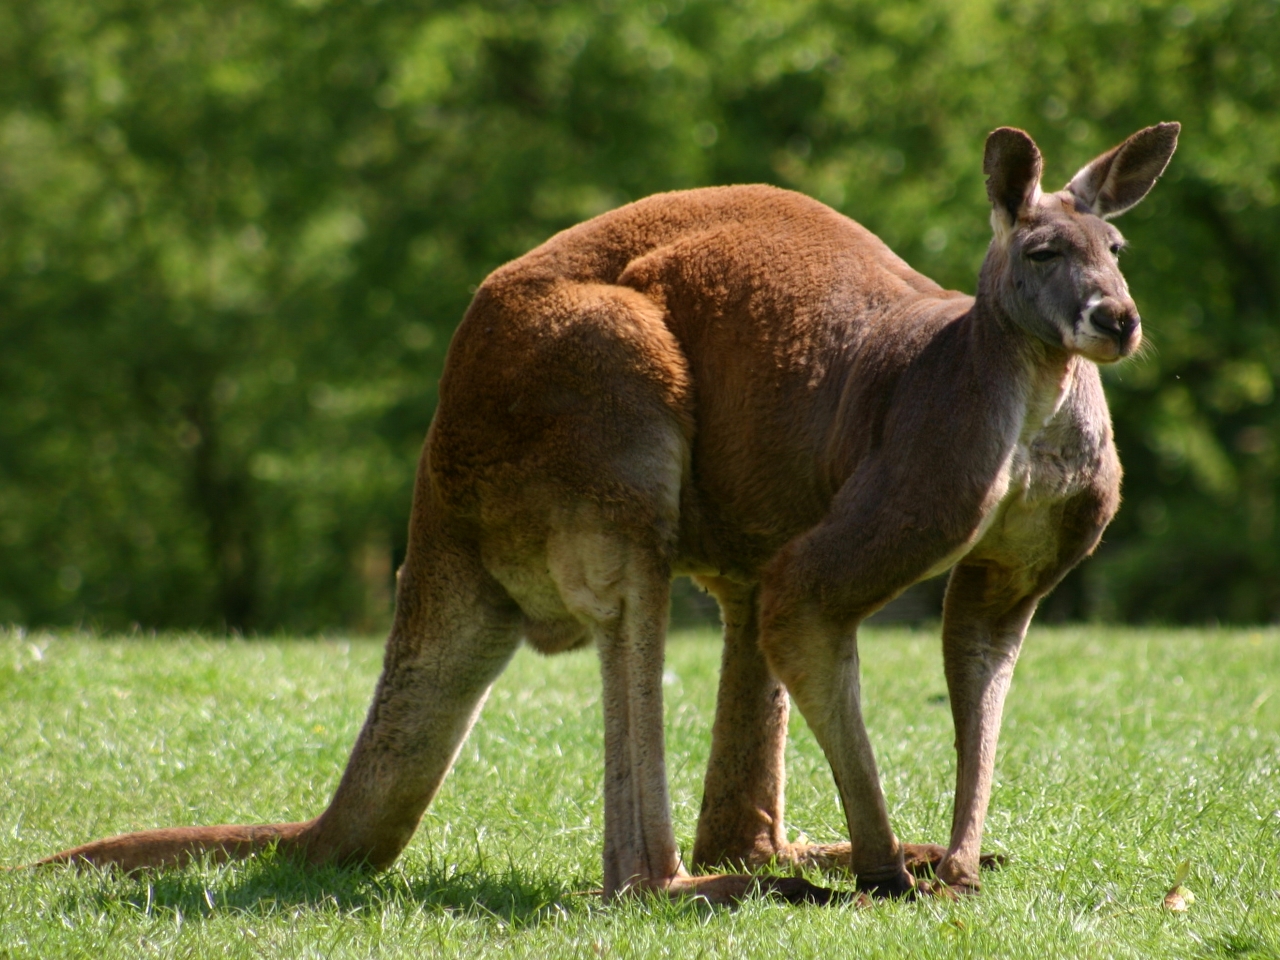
(1053,462)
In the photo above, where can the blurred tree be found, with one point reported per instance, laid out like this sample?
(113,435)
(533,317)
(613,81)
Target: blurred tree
(235,239)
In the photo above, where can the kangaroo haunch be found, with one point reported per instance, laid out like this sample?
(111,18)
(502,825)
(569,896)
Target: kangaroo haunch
(741,384)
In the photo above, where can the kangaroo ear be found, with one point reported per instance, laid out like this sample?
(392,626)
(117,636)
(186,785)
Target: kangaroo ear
(1013,166)
(1121,177)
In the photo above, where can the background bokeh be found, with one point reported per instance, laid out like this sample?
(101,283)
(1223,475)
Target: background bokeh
(235,238)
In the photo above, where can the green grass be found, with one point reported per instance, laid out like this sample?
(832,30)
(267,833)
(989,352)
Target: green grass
(1124,753)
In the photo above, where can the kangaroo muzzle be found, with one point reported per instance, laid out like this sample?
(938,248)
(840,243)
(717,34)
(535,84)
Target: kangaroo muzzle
(1116,318)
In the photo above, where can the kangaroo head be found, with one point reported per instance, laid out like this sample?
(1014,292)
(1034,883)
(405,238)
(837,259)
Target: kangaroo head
(1052,267)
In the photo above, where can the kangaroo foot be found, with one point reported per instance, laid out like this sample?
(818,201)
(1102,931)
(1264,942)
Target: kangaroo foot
(921,859)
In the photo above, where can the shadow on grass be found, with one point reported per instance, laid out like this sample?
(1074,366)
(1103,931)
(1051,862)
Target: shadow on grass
(269,885)
(1239,945)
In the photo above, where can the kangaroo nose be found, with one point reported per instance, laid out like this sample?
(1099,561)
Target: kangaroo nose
(1118,318)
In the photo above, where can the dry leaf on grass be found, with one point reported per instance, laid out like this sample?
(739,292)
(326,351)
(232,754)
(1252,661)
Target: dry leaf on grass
(1179,898)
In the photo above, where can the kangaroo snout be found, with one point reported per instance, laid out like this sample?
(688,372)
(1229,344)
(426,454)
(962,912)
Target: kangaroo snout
(1117,318)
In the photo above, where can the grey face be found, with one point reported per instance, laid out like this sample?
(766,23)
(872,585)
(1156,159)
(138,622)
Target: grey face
(1064,282)
(1052,266)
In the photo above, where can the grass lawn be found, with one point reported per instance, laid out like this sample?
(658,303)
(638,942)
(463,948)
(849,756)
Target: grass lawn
(1124,753)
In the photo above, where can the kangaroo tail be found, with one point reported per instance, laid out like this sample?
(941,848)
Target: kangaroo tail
(455,629)
(176,846)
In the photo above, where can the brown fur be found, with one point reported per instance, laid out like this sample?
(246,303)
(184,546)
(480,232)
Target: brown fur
(740,384)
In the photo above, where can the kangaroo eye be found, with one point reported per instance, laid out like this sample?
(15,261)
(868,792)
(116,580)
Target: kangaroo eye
(1116,248)
(1043,255)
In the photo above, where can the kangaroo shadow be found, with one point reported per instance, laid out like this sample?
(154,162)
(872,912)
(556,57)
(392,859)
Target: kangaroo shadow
(268,884)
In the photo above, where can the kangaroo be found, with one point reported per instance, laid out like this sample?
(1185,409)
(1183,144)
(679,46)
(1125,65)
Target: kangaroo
(740,384)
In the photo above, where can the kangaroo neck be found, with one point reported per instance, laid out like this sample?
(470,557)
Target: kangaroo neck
(966,370)
(1040,374)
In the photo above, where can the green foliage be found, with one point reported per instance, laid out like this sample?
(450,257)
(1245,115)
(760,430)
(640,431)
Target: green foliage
(237,236)
(1125,754)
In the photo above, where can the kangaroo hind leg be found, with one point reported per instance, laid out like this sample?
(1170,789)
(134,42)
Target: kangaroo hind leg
(627,591)
(622,590)
(741,820)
